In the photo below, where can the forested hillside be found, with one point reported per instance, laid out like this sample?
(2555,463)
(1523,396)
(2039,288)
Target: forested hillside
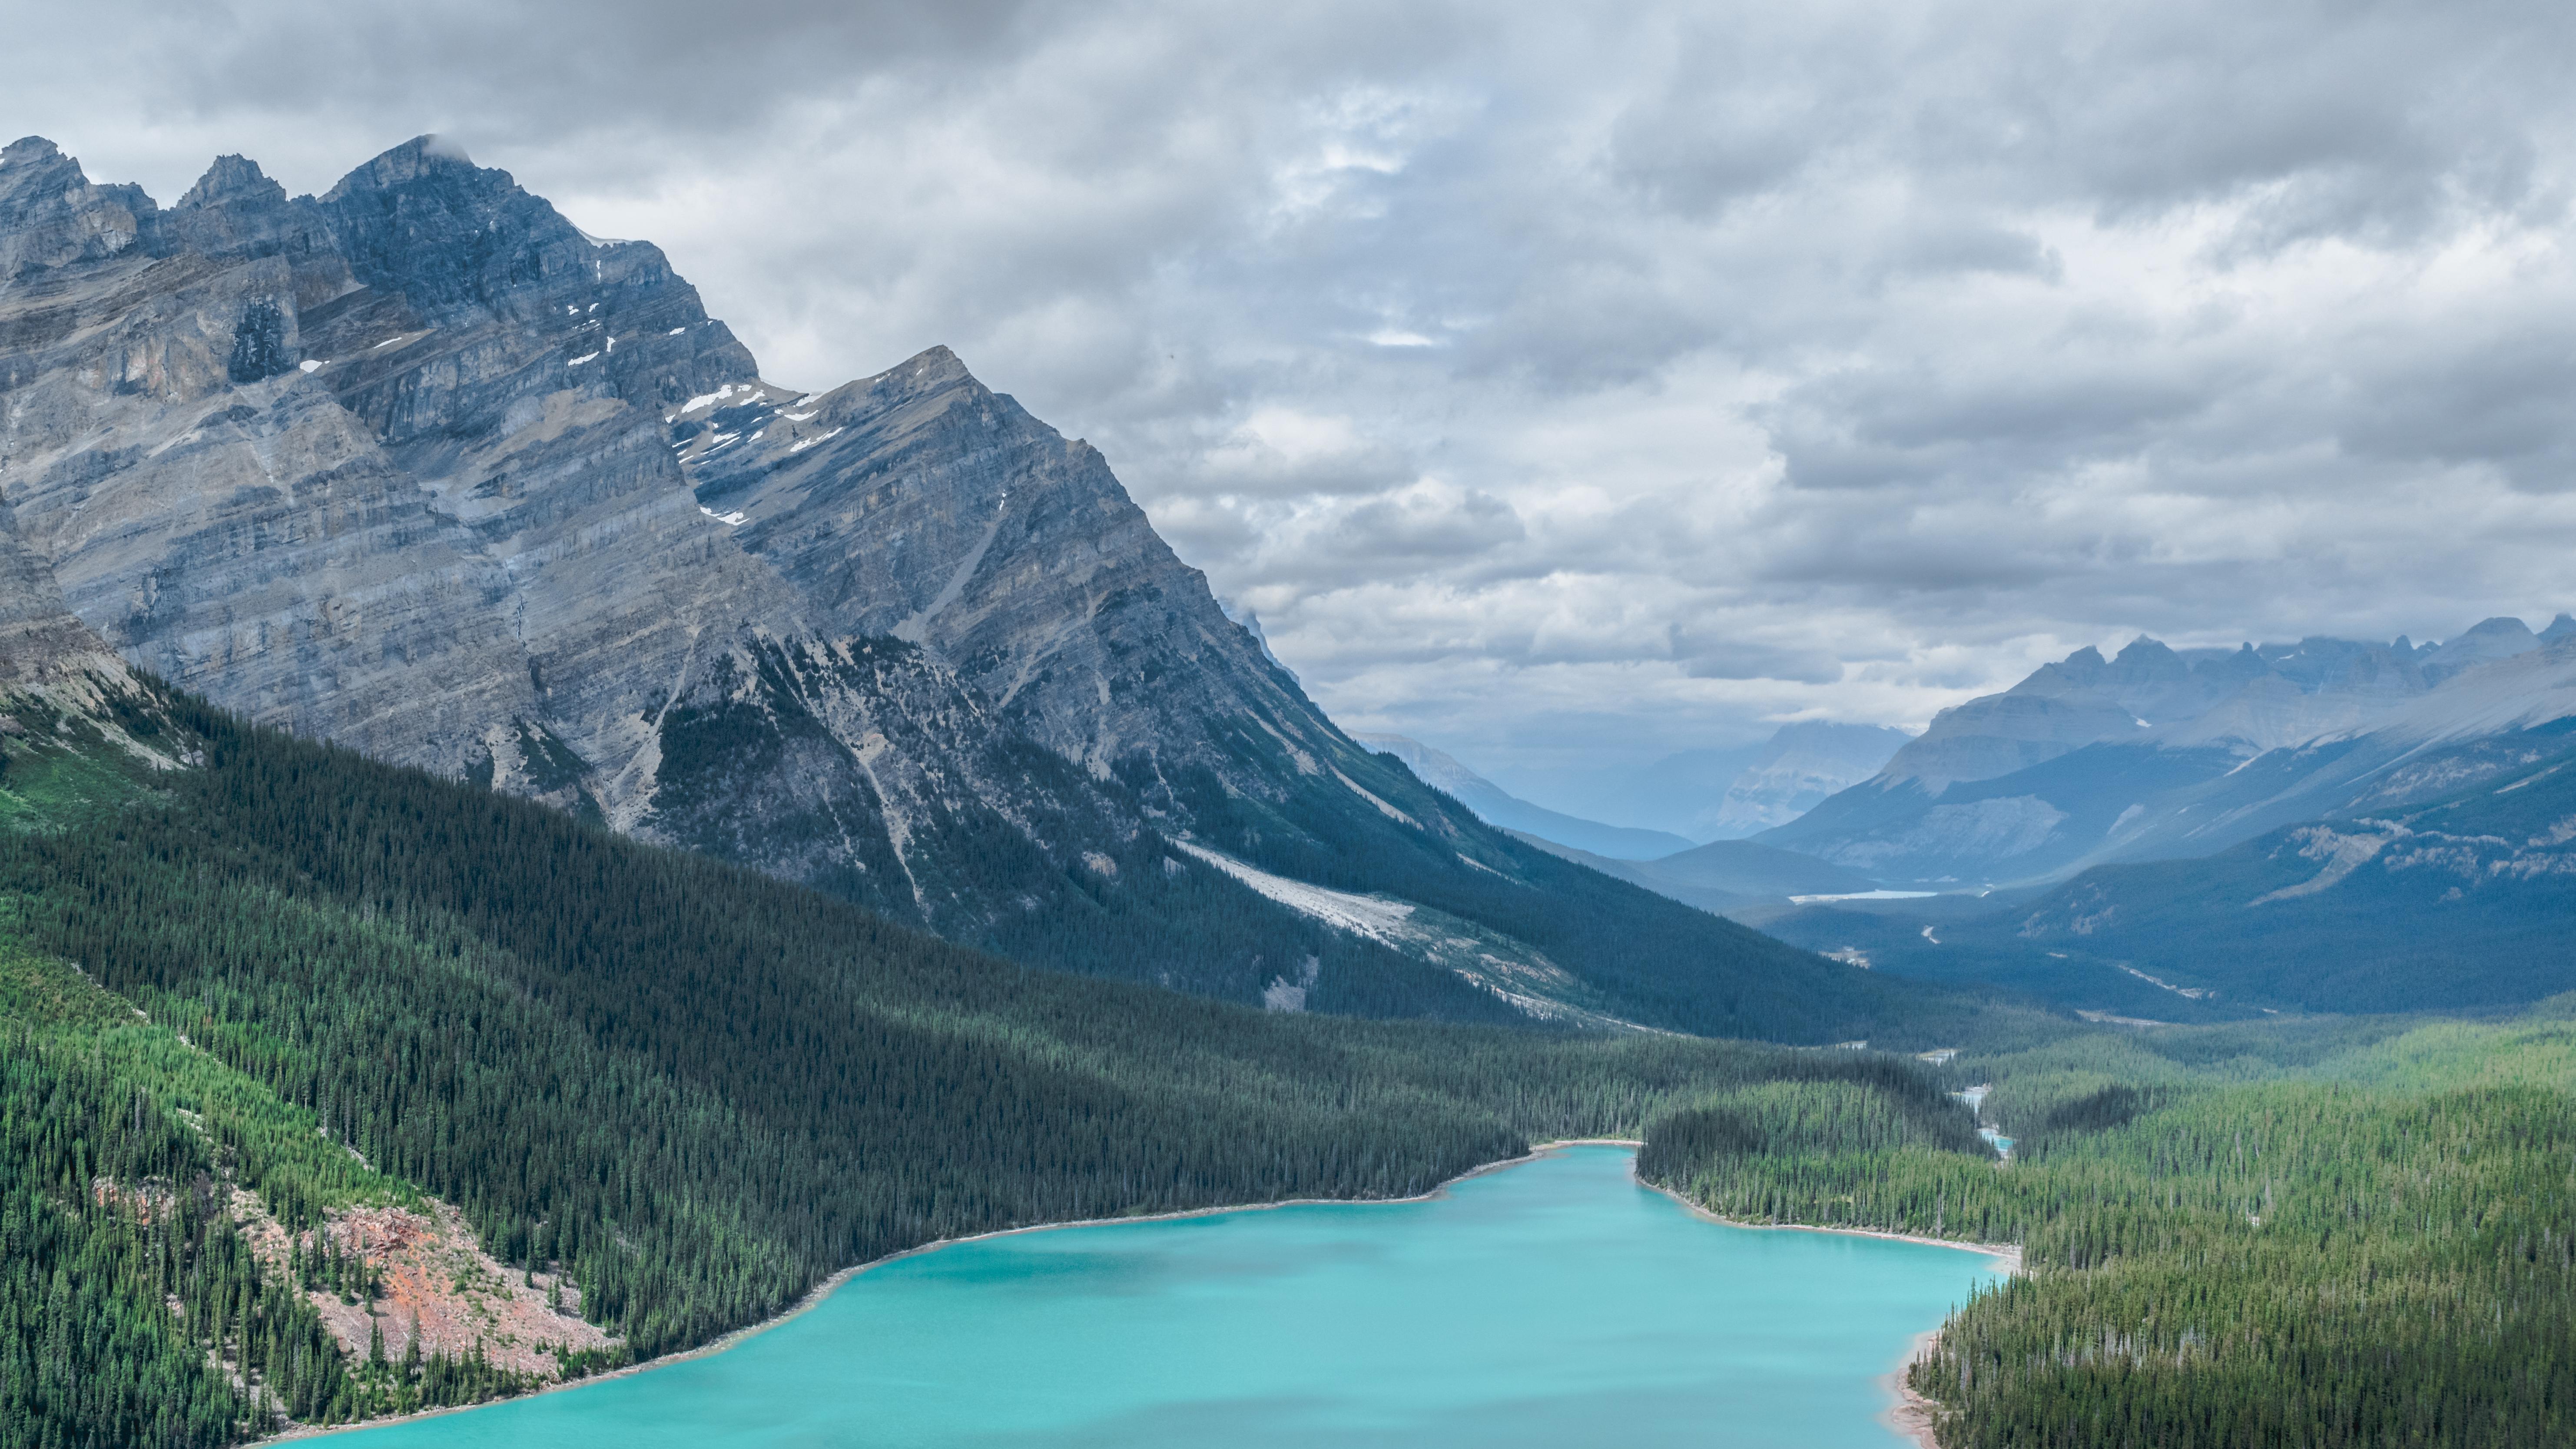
(680,1091)
(2332,1233)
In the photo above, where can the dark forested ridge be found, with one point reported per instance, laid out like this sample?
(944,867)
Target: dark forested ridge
(2327,1233)
(690,1090)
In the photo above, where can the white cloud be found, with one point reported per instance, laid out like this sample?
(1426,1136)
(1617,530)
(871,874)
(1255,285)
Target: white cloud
(1562,383)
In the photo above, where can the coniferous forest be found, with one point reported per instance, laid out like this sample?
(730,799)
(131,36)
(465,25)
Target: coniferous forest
(290,984)
(691,1091)
(2322,1233)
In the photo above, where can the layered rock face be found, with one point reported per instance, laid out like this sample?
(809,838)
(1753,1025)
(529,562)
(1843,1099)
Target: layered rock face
(921,504)
(62,688)
(390,467)
(207,508)
(43,645)
(419,467)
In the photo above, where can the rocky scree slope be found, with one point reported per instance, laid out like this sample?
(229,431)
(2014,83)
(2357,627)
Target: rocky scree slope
(418,467)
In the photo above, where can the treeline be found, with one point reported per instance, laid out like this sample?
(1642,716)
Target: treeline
(2327,1235)
(693,1090)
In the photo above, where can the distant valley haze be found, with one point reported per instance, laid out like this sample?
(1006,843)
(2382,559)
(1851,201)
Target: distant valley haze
(1576,391)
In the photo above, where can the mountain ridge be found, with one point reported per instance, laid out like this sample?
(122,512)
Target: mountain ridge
(2153,753)
(418,467)
(1499,807)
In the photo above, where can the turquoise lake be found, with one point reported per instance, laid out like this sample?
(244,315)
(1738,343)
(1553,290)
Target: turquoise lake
(1551,1303)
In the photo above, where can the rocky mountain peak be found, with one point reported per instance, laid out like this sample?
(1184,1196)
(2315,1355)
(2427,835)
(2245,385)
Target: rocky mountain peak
(425,155)
(233,179)
(449,482)
(922,504)
(449,236)
(2501,637)
(52,216)
(31,163)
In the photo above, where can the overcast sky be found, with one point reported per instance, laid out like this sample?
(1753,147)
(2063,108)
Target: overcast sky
(1565,385)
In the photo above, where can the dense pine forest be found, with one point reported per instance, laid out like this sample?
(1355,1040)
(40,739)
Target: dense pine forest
(2316,1233)
(688,1091)
(286,986)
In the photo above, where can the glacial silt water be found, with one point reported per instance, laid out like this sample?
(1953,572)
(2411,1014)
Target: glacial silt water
(1551,1303)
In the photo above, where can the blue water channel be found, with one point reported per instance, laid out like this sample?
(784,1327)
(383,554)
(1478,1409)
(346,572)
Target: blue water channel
(1555,1302)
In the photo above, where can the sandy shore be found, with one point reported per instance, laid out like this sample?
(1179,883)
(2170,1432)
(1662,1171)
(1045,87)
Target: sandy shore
(1911,1416)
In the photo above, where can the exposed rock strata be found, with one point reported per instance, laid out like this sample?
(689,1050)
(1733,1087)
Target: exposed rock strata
(417,466)
(389,467)
(407,466)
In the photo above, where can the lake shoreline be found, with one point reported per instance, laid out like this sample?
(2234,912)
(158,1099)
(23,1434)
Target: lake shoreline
(814,1296)
(1912,1416)
(1909,1415)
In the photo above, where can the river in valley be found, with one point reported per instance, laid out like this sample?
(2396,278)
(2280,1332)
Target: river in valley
(1554,1302)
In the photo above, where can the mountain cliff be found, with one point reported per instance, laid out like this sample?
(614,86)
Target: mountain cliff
(419,467)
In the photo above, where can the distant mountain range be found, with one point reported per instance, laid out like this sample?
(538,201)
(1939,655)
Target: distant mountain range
(1739,879)
(1710,794)
(2163,753)
(2460,902)
(1497,806)
(2326,826)
(1803,765)
(419,467)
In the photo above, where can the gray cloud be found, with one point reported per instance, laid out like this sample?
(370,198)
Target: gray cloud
(1574,386)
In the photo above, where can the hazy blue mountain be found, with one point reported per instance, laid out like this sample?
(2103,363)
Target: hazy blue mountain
(2460,901)
(1497,806)
(1734,792)
(2159,753)
(1739,879)
(1803,764)
(1673,794)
